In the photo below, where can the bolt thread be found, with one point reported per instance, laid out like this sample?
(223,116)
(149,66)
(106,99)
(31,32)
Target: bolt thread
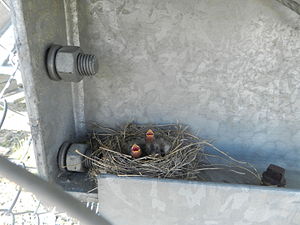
(87,64)
(88,163)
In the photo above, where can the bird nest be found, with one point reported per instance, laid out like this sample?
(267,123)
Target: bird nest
(189,158)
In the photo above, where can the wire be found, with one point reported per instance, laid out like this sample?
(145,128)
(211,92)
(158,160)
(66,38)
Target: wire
(15,201)
(5,5)
(50,193)
(8,83)
(4,113)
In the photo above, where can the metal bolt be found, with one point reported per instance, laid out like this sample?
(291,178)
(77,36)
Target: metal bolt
(87,162)
(87,64)
(274,175)
(69,63)
(68,158)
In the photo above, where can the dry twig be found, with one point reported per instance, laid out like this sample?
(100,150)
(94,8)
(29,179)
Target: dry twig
(187,159)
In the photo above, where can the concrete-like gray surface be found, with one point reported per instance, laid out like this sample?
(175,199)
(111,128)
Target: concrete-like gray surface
(229,69)
(151,201)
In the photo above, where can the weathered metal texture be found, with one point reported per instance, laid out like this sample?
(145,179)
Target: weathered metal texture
(151,201)
(38,25)
(71,14)
(229,69)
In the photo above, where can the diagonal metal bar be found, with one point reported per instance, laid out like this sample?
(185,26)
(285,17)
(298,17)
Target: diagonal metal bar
(291,4)
(50,193)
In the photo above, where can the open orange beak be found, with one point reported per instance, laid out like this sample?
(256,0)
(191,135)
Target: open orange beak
(136,151)
(149,135)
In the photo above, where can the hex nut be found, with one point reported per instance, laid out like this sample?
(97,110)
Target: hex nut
(66,63)
(74,161)
(274,175)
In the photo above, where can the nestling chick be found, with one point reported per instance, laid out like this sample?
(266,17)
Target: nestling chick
(156,145)
(135,151)
(134,147)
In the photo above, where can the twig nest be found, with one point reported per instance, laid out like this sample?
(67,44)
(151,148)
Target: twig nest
(175,153)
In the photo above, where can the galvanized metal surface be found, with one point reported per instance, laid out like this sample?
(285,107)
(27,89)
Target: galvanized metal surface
(151,201)
(38,25)
(229,69)
(71,14)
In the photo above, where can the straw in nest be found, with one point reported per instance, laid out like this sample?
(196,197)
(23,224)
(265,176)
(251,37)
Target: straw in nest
(189,158)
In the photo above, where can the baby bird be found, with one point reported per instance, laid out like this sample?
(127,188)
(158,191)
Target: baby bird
(135,151)
(150,145)
(135,148)
(156,145)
